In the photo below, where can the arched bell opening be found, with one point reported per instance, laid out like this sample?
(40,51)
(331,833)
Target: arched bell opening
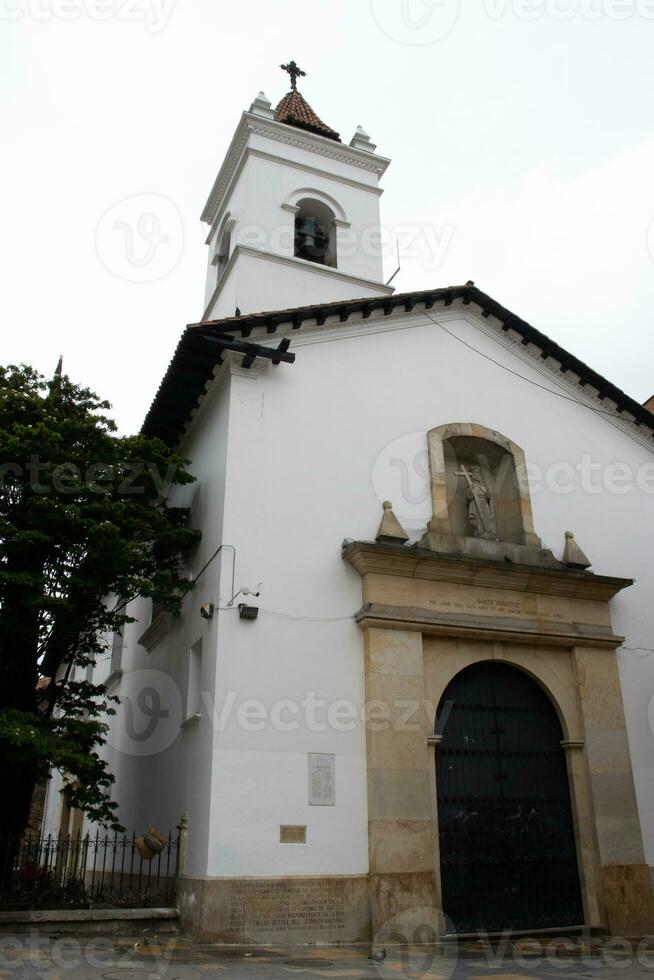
(315,233)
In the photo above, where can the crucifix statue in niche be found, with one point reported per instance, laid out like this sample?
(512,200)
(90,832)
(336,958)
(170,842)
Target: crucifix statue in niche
(481,510)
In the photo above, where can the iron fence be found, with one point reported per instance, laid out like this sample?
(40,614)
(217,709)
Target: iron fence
(85,872)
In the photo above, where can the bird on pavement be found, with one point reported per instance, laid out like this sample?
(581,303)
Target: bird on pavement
(379,956)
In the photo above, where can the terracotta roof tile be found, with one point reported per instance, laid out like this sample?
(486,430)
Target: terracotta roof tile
(294,110)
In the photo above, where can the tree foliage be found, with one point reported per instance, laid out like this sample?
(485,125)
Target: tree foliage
(84,517)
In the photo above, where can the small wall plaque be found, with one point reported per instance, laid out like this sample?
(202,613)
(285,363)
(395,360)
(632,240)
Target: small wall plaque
(322,779)
(289,834)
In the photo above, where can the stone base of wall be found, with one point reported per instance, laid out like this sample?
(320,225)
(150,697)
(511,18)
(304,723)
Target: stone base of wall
(287,911)
(405,904)
(275,910)
(629,899)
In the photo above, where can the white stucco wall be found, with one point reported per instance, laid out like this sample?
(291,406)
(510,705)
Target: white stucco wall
(169,773)
(304,472)
(289,463)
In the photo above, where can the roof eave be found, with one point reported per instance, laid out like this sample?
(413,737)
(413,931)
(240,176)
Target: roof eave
(468,293)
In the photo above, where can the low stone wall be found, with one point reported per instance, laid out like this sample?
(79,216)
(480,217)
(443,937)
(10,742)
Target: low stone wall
(90,922)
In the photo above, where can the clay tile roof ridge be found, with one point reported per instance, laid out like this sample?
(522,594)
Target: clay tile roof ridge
(294,110)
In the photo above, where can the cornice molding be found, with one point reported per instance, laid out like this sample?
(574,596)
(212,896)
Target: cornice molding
(570,744)
(316,171)
(253,125)
(290,261)
(156,631)
(419,563)
(324,147)
(379,616)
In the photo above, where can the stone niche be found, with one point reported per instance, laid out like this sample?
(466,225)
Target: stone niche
(480,496)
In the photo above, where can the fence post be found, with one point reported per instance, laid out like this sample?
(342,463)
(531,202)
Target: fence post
(182,841)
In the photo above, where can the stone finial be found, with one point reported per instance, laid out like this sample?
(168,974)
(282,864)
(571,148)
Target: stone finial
(573,556)
(262,106)
(361,141)
(390,530)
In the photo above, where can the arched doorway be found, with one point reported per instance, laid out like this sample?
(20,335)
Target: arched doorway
(507,844)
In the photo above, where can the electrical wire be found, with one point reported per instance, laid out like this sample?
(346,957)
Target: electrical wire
(308,619)
(301,619)
(516,374)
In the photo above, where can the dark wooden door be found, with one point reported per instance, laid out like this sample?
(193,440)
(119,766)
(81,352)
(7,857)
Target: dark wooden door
(507,845)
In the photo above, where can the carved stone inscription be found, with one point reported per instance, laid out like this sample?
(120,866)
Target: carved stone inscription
(277,906)
(524,607)
(322,782)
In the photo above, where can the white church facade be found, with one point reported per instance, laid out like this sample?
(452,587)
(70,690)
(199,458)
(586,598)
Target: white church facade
(379,718)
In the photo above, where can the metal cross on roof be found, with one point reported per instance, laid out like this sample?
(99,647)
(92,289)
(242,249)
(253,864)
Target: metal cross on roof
(295,72)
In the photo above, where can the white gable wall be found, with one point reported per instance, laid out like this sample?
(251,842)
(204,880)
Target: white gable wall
(303,443)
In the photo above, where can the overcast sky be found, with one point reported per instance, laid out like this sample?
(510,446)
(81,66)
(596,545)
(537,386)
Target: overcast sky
(520,133)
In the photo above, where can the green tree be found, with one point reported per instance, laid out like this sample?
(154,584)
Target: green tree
(83,516)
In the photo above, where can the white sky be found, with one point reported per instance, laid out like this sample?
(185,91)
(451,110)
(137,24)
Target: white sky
(521,141)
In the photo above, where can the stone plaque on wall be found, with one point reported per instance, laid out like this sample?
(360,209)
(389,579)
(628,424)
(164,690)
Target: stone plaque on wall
(322,779)
(292,834)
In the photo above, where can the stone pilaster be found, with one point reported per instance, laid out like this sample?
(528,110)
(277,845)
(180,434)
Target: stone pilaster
(401,791)
(590,877)
(625,876)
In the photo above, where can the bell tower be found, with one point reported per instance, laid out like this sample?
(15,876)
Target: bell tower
(293,214)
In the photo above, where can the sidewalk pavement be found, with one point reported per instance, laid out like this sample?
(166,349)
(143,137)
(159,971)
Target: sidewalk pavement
(48,956)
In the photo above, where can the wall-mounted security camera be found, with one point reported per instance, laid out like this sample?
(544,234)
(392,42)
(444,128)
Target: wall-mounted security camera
(206,611)
(245,591)
(247,612)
